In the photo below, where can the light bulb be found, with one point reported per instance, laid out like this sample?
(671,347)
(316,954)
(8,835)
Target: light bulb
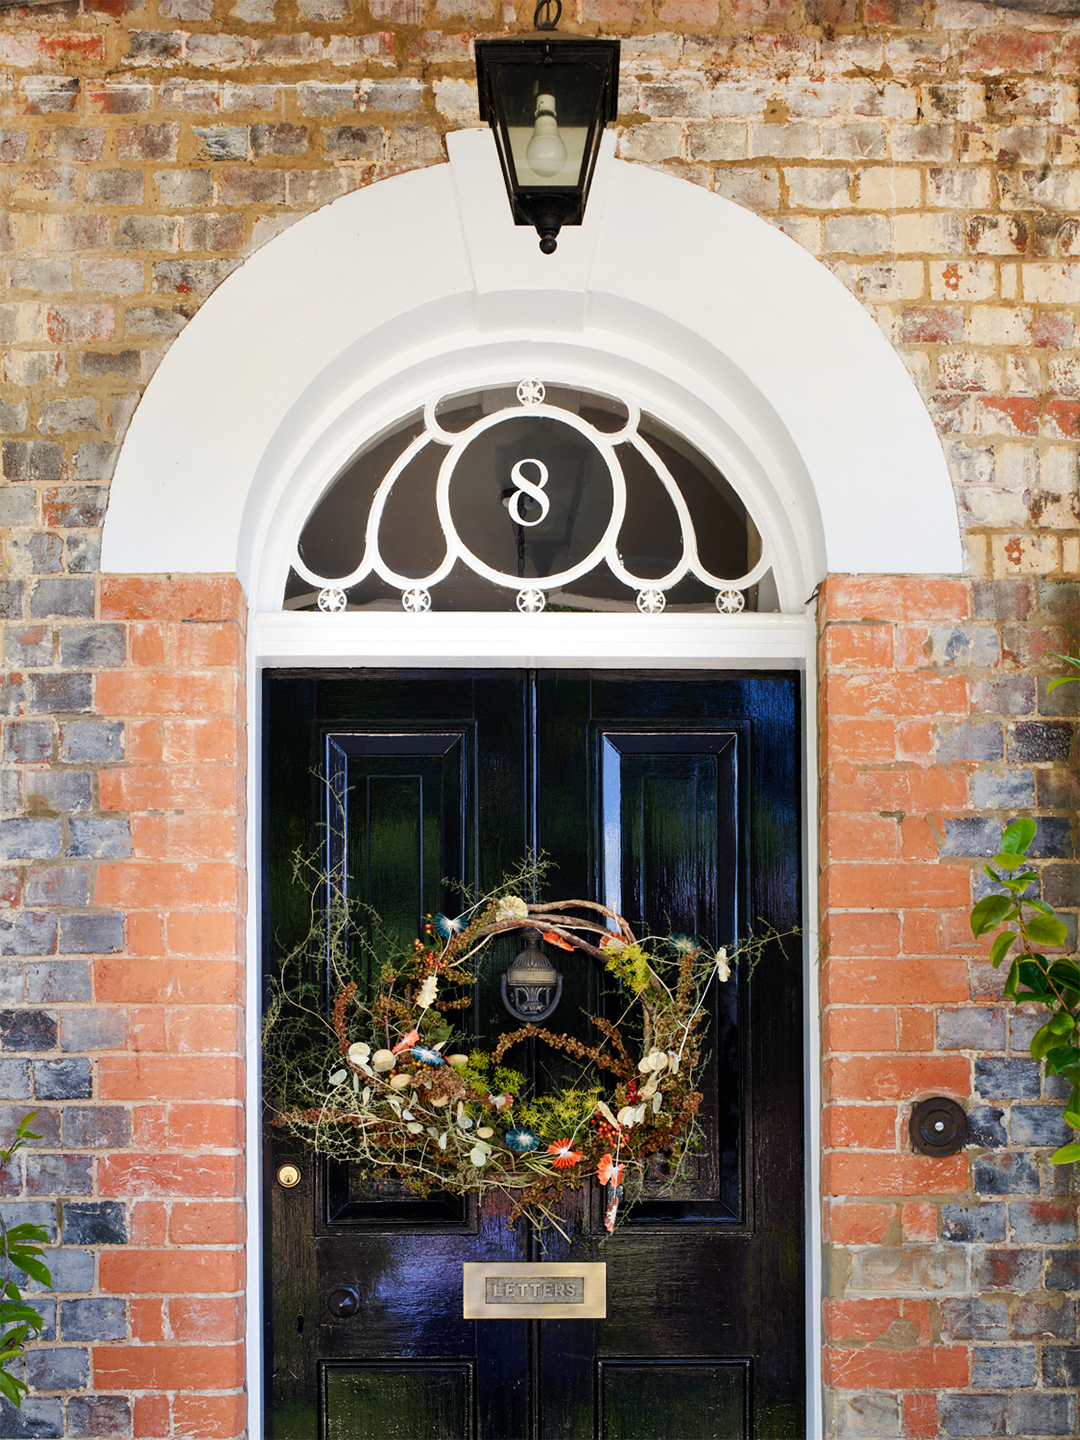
(546,152)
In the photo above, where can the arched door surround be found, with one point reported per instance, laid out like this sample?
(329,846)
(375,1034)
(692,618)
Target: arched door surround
(727,330)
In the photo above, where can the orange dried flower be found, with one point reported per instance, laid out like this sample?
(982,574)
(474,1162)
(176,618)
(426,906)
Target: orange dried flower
(608,1173)
(565,1154)
(553,939)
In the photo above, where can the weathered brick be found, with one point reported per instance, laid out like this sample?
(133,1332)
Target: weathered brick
(91,934)
(1003,1367)
(93,1319)
(93,1029)
(60,694)
(94,1415)
(96,1127)
(963,1223)
(58,1175)
(57,980)
(28,932)
(98,838)
(27,1030)
(1007,1079)
(974,1415)
(61,1079)
(81,741)
(1005,1174)
(101,1222)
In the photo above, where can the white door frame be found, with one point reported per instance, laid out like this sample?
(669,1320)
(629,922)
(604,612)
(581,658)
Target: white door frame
(281,640)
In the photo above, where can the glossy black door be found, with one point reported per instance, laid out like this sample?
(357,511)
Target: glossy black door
(673,798)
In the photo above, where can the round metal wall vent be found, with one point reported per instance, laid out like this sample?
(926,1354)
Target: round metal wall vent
(938,1126)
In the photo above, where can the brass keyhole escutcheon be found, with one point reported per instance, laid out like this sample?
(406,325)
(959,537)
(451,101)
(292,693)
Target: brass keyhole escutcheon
(288,1176)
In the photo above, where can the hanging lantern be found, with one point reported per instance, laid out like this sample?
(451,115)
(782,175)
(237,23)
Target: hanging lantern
(547,97)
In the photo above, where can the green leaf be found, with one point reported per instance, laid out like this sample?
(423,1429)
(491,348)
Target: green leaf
(34,1268)
(1039,905)
(1043,1040)
(989,913)
(1017,836)
(1065,974)
(12,1389)
(1060,1059)
(1011,983)
(1072,1109)
(1009,861)
(1045,931)
(1001,947)
(1063,1023)
(1066,1154)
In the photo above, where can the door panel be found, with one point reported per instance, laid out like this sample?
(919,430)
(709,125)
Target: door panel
(673,799)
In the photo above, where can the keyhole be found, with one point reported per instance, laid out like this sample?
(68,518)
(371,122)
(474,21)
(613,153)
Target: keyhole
(299,1324)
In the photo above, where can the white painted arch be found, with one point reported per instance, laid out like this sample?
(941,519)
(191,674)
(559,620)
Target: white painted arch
(713,319)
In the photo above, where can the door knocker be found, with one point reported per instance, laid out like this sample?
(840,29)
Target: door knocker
(531,986)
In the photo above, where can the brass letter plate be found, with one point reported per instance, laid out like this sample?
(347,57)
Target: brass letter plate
(542,1291)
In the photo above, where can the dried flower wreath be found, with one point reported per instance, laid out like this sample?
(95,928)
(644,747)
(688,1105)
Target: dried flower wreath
(379,1082)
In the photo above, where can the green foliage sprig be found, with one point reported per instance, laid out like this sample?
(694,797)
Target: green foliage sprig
(1034,978)
(20,1246)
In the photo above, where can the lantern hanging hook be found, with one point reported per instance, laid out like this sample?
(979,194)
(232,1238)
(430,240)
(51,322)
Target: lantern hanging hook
(543,18)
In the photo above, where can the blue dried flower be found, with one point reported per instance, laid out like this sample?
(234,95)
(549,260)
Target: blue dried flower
(446,927)
(683,944)
(522,1141)
(426,1056)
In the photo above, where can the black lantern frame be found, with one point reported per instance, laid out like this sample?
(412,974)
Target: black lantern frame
(541,94)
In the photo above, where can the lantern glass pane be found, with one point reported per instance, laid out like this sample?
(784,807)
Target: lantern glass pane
(551,150)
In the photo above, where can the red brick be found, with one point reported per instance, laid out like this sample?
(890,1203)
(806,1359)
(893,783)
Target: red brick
(900,694)
(166,692)
(79,323)
(861,741)
(148,837)
(146,934)
(858,1224)
(920,836)
(921,933)
(869,1320)
(149,1223)
(189,598)
(207,1318)
(162,1077)
(896,1077)
(1063,419)
(169,787)
(889,598)
(914,740)
(854,1172)
(205,645)
(861,932)
(861,837)
(932,1365)
(207,1222)
(1007,414)
(203,932)
(201,836)
(167,1175)
(200,1029)
(146,643)
(917,1029)
(908,790)
(863,1127)
(168,1367)
(147,1319)
(199,982)
(151,1417)
(131,884)
(923,325)
(896,982)
(218,741)
(920,1416)
(149,1126)
(171,1272)
(210,1417)
(919,1222)
(864,1028)
(992,52)
(898,886)
(212,1126)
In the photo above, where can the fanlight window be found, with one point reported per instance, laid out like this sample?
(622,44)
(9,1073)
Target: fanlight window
(538,496)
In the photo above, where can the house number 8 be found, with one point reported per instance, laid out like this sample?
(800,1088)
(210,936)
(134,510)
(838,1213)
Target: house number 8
(527,487)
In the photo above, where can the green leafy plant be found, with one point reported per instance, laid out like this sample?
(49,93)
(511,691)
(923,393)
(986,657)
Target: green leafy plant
(21,1249)
(1025,921)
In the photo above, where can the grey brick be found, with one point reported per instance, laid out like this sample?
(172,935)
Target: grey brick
(1061,1366)
(57,885)
(91,934)
(1053,838)
(32,460)
(1007,1079)
(31,1212)
(94,646)
(971,1029)
(62,792)
(59,1175)
(56,980)
(83,554)
(29,644)
(14,1080)
(1062,1270)
(42,1419)
(93,741)
(59,694)
(28,932)
(975,1415)
(1022,1027)
(1042,1320)
(985,1126)
(1015,790)
(97,1029)
(999,1267)
(93,1415)
(1058,702)
(45,1124)
(354,142)
(78,507)
(97,1127)
(11,599)
(1061,885)
(60,1368)
(1042,1415)
(100,839)
(28,1029)
(1005,1174)
(964,1223)
(221,142)
(279,139)
(1040,740)
(74,598)
(17,506)
(1059,600)
(1005,695)
(974,1319)
(1005,1367)
(1038,1125)
(72,1271)
(972,835)
(63,1079)
(46,1308)
(1045,1222)
(97,1222)
(29,839)
(9,787)
(972,740)
(12,689)
(29,743)
(114,187)
(94,1319)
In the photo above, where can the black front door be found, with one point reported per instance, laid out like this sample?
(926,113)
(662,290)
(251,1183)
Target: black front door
(674,799)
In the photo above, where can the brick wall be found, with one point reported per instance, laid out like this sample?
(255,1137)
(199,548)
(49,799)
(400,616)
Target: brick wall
(952,1283)
(123,987)
(928,154)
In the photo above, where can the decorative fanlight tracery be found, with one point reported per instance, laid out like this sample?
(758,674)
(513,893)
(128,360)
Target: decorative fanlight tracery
(552,456)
